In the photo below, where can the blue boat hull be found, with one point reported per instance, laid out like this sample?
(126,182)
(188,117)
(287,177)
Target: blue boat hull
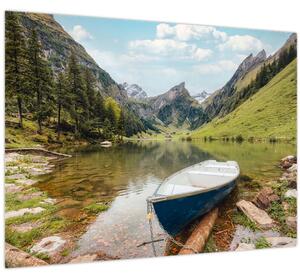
(175,214)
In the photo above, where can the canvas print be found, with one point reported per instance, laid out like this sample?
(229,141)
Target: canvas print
(129,139)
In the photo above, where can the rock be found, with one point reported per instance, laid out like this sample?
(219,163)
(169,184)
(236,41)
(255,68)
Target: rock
(49,245)
(27,182)
(85,258)
(265,197)
(38,159)
(17,258)
(25,227)
(277,242)
(255,214)
(49,201)
(36,171)
(293,168)
(290,158)
(29,196)
(12,188)
(291,222)
(16,177)
(288,161)
(21,212)
(291,193)
(9,157)
(245,247)
(246,235)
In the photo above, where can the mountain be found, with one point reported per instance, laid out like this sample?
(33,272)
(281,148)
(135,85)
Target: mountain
(270,113)
(134,91)
(57,46)
(175,107)
(200,97)
(214,104)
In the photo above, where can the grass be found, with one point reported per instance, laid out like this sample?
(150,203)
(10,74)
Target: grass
(27,136)
(262,243)
(241,219)
(96,208)
(210,245)
(270,113)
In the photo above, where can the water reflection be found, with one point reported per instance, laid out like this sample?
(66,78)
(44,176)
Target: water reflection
(126,175)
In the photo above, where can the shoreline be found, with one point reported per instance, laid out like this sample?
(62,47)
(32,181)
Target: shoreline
(33,217)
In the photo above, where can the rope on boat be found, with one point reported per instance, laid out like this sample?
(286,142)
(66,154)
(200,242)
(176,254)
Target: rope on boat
(171,238)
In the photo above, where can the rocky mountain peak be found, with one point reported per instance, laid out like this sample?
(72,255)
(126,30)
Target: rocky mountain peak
(134,91)
(200,97)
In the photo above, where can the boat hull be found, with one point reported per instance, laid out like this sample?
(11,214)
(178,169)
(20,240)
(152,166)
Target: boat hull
(175,214)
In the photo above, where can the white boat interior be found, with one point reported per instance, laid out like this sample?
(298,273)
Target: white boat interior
(200,177)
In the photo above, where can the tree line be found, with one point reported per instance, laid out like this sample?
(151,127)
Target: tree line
(268,71)
(70,97)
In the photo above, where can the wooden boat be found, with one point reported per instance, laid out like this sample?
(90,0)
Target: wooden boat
(192,192)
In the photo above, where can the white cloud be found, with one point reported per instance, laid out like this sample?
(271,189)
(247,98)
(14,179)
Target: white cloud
(79,33)
(218,67)
(185,32)
(242,43)
(169,47)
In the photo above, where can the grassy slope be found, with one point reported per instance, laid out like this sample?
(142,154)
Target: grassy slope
(271,112)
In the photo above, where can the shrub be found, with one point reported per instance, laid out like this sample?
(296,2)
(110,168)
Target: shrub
(239,138)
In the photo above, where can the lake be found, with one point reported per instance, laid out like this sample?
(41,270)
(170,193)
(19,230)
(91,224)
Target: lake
(125,175)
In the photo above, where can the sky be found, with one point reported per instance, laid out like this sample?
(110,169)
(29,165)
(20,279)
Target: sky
(159,55)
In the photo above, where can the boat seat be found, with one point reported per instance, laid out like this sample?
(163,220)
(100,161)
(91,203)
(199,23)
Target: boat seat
(211,173)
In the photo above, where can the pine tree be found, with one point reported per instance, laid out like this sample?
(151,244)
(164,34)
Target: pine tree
(76,90)
(90,93)
(41,80)
(15,53)
(62,99)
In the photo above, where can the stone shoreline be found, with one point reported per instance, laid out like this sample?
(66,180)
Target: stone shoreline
(33,225)
(271,215)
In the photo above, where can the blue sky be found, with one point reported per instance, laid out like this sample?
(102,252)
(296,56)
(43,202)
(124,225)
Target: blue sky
(157,55)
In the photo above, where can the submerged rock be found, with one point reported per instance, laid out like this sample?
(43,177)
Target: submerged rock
(49,245)
(21,212)
(260,217)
